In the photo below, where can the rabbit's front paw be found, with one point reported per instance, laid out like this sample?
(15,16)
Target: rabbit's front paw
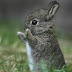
(21,36)
(29,35)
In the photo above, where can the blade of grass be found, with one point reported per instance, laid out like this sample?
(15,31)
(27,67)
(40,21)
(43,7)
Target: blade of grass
(5,60)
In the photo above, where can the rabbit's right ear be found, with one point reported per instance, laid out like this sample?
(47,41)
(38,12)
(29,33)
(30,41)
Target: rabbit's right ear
(52,9)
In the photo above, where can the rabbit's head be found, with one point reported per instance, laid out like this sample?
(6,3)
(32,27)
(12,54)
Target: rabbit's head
(39,21)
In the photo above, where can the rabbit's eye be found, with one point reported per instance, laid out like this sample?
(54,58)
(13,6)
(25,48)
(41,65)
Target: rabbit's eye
(34,22)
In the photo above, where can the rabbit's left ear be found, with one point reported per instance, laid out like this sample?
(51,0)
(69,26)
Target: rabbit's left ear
(52,9)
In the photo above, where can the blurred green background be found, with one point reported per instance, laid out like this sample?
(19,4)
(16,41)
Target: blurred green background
(13,55)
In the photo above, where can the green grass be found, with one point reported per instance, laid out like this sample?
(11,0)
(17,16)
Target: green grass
(13,56)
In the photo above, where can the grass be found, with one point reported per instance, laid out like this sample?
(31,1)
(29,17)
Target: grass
(13,57)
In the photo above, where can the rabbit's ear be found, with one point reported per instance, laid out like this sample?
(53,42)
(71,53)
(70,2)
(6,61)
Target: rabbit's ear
(52,9)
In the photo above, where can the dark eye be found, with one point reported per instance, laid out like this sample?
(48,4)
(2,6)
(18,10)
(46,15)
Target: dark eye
(34,22)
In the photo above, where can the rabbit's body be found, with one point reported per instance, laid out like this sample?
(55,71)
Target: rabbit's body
(40,39)
(46,49)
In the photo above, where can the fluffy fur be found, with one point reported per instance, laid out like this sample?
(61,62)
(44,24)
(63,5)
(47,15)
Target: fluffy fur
(40,39)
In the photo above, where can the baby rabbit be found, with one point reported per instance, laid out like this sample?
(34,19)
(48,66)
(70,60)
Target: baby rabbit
(40,39)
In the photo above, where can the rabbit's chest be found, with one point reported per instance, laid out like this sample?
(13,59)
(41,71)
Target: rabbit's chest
(29,55)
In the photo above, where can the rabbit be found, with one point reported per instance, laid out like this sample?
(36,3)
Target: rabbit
(40,40)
